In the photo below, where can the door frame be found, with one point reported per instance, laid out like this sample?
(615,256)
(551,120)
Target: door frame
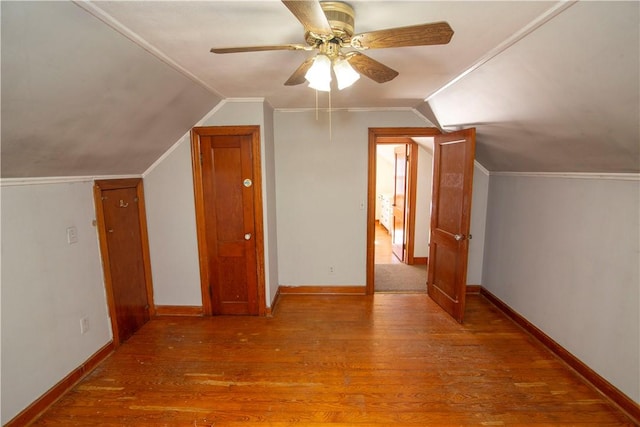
(203,252)
(409,182)
(117,184)
(391,136)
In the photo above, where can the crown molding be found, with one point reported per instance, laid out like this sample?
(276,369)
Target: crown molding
(166,154)
(251,100)
(481,168)
(574,175)
(13,182)
(347,109)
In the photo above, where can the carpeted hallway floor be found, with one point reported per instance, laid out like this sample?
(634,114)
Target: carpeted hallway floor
(391,275)
(400,278)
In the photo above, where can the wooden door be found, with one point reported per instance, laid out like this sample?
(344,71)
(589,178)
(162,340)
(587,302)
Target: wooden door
(125,253)
(398,234)
(230,219)
(450,220)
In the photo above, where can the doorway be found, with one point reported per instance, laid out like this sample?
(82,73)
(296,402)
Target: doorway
(398,211)
(394,177)
(391,218)
(450,213)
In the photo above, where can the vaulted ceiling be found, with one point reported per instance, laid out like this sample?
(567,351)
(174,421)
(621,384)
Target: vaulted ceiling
(96,88)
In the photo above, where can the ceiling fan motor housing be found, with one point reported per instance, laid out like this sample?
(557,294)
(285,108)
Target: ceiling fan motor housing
(341,17)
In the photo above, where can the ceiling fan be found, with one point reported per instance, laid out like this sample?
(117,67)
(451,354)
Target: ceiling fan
(329,28)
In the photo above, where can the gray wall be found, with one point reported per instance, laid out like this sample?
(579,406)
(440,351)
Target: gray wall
(564,253)
(48,285)
(271,224)
(171,222)
(171,209)
(480,194)
(321,178)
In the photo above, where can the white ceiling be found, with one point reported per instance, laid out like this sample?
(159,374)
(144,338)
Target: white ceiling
(550,86)
(185,31)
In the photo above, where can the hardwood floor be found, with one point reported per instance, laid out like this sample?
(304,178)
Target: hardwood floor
(383,253)
(382,360)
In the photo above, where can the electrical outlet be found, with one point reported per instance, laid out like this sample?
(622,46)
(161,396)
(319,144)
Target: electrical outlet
(84,325)
(331,269)
(72,235)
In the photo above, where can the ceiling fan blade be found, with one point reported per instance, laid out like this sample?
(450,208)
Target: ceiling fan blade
(260,48)
(416,35)
(298,75)
(310,15)
(371,68)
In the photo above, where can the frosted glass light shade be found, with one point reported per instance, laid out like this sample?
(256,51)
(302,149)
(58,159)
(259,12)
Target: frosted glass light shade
(345,74)
(319,75)
(324,86)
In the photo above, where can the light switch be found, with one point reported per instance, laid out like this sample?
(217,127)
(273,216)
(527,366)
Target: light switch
(72,235)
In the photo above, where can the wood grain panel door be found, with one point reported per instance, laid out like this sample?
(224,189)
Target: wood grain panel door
(398,233)
(450,220)
(123,237)
(230,218)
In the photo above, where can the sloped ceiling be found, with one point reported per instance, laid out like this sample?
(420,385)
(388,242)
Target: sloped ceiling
(563,98)
(106,87)
(78,98)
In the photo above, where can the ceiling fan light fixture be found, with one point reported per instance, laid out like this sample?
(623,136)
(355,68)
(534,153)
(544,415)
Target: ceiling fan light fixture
(323,86)
(319,75)
(345,74)
(329,26)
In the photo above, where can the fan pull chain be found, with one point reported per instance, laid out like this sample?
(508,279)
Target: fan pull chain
(330,135)
(329,110)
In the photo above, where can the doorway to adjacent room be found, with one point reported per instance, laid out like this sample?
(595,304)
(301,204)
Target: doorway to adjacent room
(400,223)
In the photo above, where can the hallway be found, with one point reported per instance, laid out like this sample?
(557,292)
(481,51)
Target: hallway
(383,252)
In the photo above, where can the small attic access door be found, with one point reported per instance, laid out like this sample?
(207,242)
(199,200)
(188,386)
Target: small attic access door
(122,231)
(228,194)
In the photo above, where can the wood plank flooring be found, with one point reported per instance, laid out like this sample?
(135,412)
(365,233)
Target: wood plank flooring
(383,360)
(383,252)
